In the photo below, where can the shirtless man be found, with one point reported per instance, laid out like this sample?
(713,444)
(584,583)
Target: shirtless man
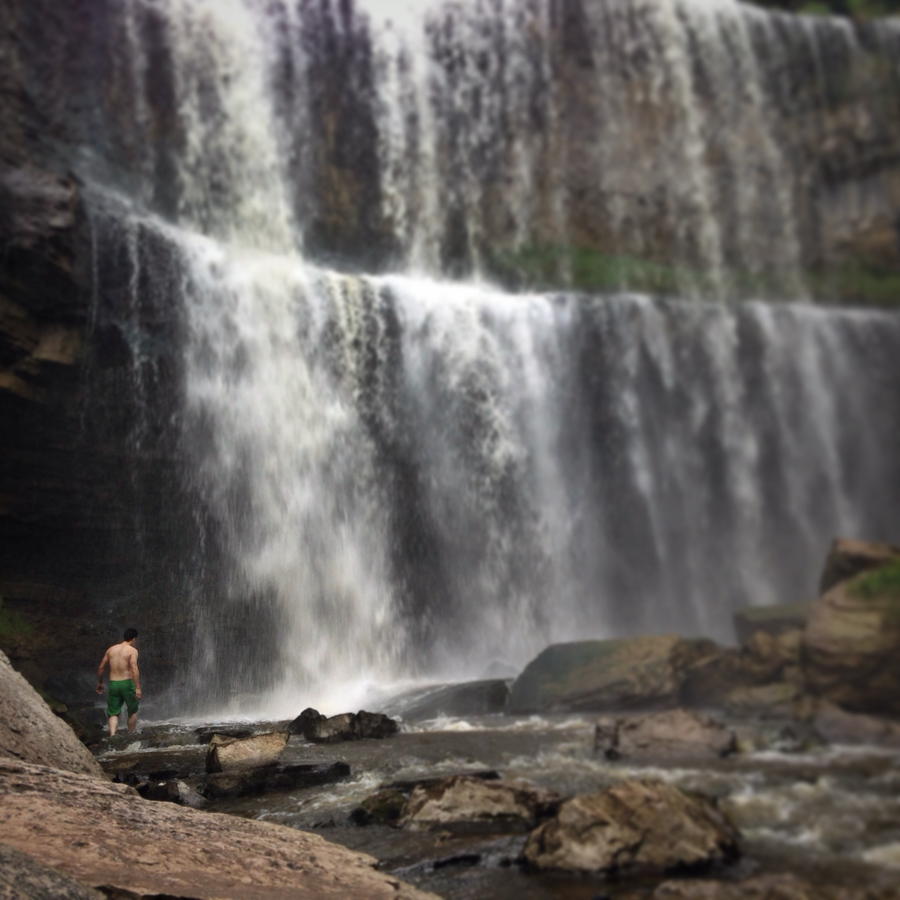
(124,681)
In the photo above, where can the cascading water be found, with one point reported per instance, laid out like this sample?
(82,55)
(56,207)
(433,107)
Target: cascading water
(411,475)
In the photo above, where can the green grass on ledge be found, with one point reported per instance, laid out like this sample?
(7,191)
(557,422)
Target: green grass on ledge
(549,268)
(881,582)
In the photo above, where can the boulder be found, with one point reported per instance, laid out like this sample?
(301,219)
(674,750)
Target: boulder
(764,659)
(677,734)
(319,729)
(24,878)
(462,804)
(471,698)
(382,807)
(766,701)
(78,825)
(229,754)
(773,620)
(762,887)
(30,732)
(206,733)
(635,826)
(267,779)
(851,645)
(848,558)
(635,673)
(837,726)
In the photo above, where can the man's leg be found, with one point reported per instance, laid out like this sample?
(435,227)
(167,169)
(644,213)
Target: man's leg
(113,725)
(132,722)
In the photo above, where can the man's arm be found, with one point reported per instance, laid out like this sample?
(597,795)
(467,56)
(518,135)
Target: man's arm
(103,664)
(136,675)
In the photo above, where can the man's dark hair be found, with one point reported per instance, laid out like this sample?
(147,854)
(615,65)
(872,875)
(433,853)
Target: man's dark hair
(130,634)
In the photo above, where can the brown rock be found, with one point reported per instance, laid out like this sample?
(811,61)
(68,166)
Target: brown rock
(381,807)
(636,673)
(266,779)
(773,620)
(766,701)
(851,645)
(848,558)
(229,754)
(24,878)
(319,729)
(634,826)
(79,824)
(677,734)
(475,805)
(30,732)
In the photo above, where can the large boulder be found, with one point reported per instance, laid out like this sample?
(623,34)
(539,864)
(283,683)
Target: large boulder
(229,754)
(319,729)
(848,558)
(636,826)
(773,620)
(676,734)
(851,645)
(636,673)
(81,826)
(777,700)
(463,804)
(30,732)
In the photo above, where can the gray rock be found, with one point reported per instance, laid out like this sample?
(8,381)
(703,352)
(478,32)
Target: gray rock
(677,734)
(30,732)
(637,673)
(636,826)
(24,878)
(274,778)
(228,754)
(465,805)
(767,701)
(837,726)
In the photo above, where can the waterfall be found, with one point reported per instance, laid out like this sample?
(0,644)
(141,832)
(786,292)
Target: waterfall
(412,469)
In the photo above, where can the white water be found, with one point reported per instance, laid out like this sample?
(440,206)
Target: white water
(416,476)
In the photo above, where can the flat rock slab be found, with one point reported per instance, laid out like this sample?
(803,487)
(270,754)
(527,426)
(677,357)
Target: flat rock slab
(80,825)
(275,778)
(31,732)
(773,620)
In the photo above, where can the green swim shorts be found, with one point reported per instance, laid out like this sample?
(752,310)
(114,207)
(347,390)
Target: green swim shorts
(119,692)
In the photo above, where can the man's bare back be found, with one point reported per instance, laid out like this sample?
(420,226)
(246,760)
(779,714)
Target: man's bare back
(124,680)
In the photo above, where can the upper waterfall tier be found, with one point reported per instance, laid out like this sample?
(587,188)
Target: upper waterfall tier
(671,145)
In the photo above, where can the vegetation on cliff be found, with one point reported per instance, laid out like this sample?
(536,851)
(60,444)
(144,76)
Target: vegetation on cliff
(860,8)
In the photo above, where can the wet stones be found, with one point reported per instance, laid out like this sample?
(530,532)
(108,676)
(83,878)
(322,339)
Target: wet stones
(262,780)
(319,729)
(677,734)
(382,808)
(636,826)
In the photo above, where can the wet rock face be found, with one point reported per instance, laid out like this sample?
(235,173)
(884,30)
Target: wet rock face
(849,557)
(678,734)
(463,804)
(30,732)
(635,826)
